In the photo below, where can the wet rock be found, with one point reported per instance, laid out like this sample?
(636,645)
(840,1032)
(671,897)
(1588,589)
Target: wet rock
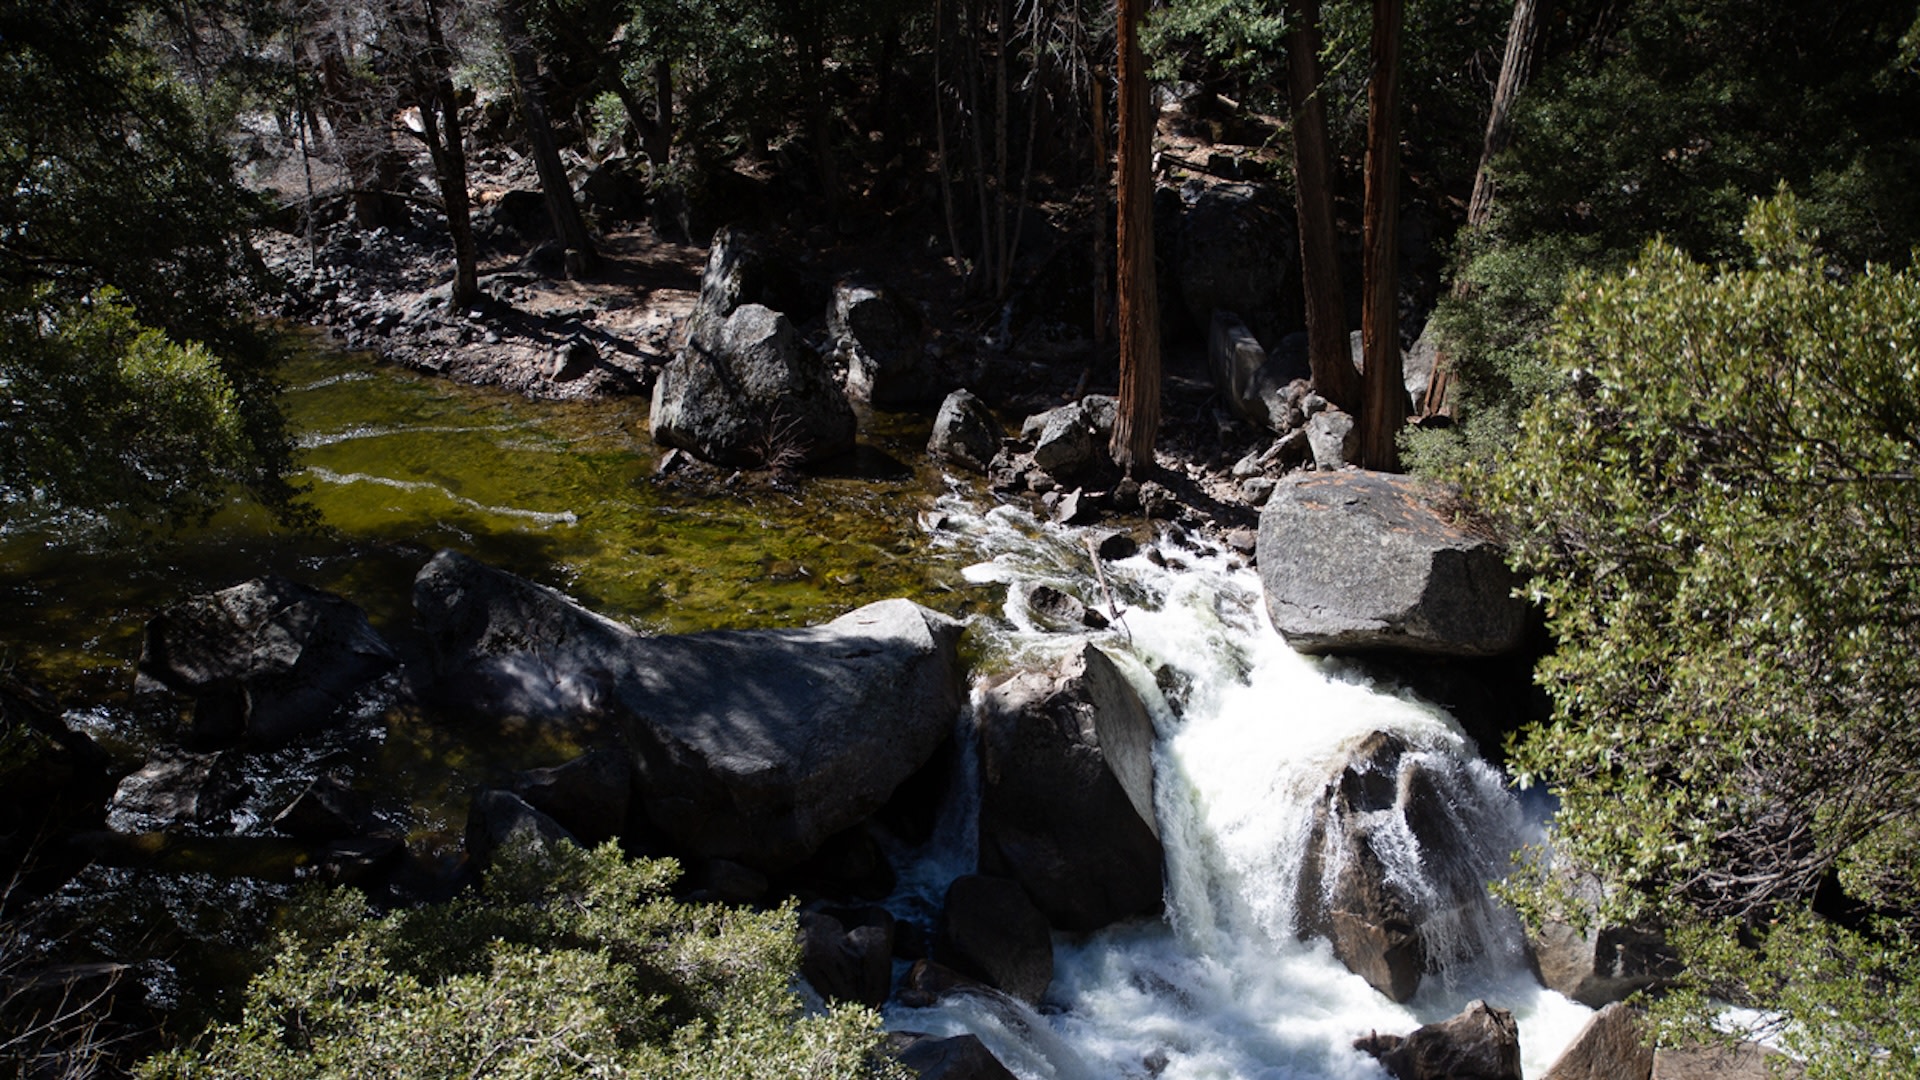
(1066,805)
(1252,383)
(1611,1046)
(589,796)
(328,809)
(1060,611)
(880,337)
(1113,546)
(965,432)
(264,660)
(958,1057)
(752,397)
(848,955)
(755,746)
(1396,859)
(1358,561)
(1481,1043)
(990,929)
(178,788)
(928,981)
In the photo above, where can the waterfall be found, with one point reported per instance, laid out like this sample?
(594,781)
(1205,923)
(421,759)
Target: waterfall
(1250,735)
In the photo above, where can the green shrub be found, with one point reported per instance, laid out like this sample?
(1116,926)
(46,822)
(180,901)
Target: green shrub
(1716,505)
(568,963)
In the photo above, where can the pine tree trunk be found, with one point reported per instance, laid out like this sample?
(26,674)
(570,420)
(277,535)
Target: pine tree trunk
(1516,68)
(1328,352)
(582,258)
(1138,419)
(1384,409)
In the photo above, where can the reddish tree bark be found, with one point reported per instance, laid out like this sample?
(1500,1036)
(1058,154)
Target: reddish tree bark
(1138,419)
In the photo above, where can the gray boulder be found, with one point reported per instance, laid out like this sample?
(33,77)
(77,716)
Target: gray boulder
(498,818)
(751,395)
(589,796)
(1359,561)
(1396,859)
(755,746)
(990,930)
(1611,1046)
(880,337)
(965,432)
(264,660)
(1066,802)
(1333,439)
(848,955)
(1252,382)
(1063,440)
(1480,1043)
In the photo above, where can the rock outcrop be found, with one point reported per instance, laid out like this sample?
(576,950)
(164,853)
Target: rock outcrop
(1066,802)
(756,746)
(1360,561)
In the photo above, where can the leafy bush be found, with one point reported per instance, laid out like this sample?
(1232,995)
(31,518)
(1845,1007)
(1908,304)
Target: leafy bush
(569,963)
(1717,505)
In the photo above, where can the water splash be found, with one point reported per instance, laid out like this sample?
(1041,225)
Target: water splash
(1250,734)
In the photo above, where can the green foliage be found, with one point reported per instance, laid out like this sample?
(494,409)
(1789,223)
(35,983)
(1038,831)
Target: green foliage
(570,963)
(102,412)
(1716,505)
(119,212)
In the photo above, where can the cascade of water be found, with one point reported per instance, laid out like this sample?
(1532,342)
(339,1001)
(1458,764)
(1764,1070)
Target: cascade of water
(1250,736)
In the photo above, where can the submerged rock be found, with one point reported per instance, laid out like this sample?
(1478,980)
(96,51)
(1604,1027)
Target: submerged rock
(1359,561)
(264,660)
(1066,801)
(755,746)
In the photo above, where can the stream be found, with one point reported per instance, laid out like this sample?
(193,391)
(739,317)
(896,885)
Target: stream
(567,495)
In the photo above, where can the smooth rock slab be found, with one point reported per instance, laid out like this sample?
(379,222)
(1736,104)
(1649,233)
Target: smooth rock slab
(756,745)
(1362,561)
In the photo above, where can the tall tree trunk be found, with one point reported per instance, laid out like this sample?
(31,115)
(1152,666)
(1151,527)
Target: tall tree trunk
(1516,69)
(432,65)
(1102,181)
(582,258)
(1138,418)
(1328,352)
(1384,410)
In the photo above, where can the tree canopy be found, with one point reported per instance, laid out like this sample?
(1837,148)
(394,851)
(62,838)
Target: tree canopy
(132,379)
(1717,505)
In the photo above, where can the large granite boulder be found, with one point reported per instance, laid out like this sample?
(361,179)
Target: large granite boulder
(1359,561)
(1480,1043)
(756,746)
(264,660)
(179,789)
(751,394)
(1599,965)
(1066,801)
(743,268)
(1396,861)
(1251,381)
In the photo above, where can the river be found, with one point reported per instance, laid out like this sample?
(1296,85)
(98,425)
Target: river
(401,465)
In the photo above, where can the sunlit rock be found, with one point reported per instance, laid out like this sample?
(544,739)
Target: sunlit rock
(1362,561)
